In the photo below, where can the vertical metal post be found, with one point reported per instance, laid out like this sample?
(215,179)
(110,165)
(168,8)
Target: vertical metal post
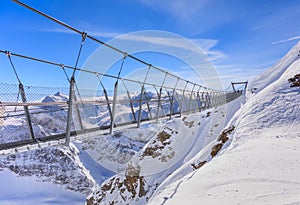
(70,108)
(159,97)
(131,106)
(198,99)
(159,104)
(232,84)
(182,99)
(27,114)
(211,96)
(148,106)
(202,101)
(106,97)
(172,101)
(130,101)
(112,120)
(140,107)
(206,100)
(141,98)
(23,96)
(78,112)
(76,105)
(191,98)
(246,85)
(209,99)
(107,102)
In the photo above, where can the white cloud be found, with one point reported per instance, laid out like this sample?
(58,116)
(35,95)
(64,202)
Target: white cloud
(287,40)
(104,34)
(206,45)
(92,33)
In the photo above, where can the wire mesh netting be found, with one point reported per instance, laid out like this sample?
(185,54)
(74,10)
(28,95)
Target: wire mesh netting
(29,113)
(47,109)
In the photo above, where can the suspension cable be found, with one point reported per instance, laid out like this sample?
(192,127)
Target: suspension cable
(85,70)
(164,79)
(12,65)
(124,85)
(146,76)
(66,74)
(83,37)
(91,37)
(125,55)
(16,74)
(100,82)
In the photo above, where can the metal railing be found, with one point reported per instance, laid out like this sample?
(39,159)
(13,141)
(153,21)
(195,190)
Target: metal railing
(47,109)
(31,115)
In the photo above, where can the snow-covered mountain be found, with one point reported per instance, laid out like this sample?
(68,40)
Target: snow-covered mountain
(259,163)
(193,160)
(174,144)
(53,164)
(53,175)
(244,152)
(68,167)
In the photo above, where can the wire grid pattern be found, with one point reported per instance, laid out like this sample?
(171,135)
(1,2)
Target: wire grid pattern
(46,120)
(48,109)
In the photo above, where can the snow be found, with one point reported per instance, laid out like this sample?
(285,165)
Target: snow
(260,162)
(27,191)
(263,170)
(171,147)
(275,72)
(257,160)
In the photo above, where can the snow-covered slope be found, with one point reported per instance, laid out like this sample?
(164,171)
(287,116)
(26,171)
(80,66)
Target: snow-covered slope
(261,164)
(275,72)
(175,144)
(56,170)
(29,190)
(195,159)
(58,165)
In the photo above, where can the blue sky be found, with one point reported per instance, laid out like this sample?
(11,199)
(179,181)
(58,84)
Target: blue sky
(244,37)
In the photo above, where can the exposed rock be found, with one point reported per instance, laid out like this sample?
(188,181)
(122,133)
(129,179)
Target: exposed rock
(223,136)
(199,165)
(128,187)
(215,149)
(156,147)
(295,81)
(163,137)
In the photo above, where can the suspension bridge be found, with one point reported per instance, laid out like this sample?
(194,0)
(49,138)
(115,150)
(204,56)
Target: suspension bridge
(32,117)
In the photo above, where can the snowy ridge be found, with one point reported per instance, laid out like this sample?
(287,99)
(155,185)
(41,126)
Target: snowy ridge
(261,164)
(275,72)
